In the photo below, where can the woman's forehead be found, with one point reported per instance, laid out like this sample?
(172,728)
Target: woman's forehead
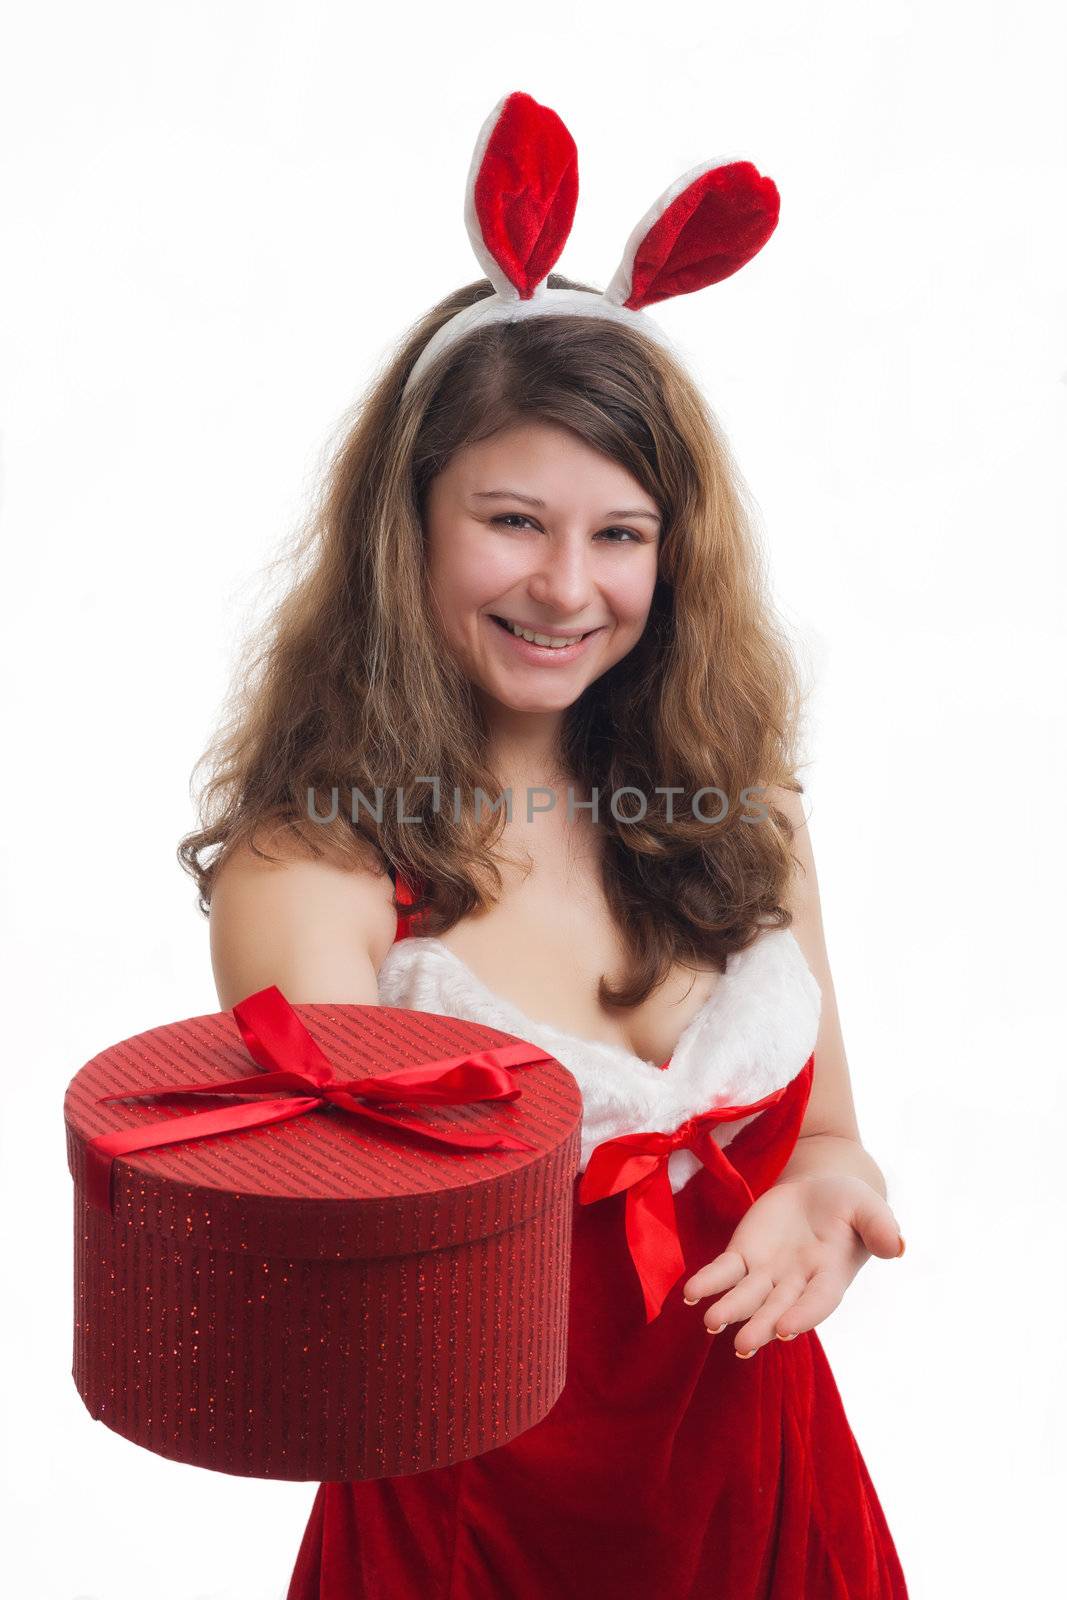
(542,462)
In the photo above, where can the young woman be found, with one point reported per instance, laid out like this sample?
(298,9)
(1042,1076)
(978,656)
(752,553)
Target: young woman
(562,478)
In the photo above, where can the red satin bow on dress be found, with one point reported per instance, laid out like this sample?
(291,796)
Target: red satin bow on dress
(637,1163)
(279,1042)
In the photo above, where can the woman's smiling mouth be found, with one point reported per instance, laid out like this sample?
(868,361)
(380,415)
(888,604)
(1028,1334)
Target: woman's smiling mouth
(534,645)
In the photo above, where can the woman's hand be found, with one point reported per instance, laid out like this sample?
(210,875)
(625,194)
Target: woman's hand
(793,1255)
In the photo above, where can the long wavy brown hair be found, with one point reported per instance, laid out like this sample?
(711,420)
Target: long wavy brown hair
(348,688)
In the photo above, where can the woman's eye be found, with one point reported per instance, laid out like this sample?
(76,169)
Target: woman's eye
(517,516)
(511,516)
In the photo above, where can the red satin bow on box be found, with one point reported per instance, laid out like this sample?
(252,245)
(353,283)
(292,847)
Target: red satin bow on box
(279,1042)
(637,1163)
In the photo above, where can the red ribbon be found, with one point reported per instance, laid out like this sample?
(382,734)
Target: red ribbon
(637,1163)
(279,1042)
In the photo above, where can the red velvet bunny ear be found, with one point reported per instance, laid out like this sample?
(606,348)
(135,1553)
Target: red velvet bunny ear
(701,229)
(522,190)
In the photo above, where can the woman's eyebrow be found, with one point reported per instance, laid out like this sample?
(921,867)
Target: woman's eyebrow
(531,500)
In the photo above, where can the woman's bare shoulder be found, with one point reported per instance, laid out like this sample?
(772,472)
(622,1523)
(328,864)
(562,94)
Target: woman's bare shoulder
(317,927)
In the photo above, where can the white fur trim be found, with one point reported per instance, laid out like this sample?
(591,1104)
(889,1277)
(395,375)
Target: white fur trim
(753,1035)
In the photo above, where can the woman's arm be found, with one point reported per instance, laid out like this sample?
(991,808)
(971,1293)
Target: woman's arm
(829,1140)
(802,1241)
(318,931)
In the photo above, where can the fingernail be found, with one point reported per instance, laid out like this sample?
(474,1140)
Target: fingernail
(714,1330)
(744,1354)
(900,1252)
(687,1300)
(785,1336)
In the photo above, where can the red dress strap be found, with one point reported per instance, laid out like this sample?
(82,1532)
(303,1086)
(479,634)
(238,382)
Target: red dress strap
(405,925)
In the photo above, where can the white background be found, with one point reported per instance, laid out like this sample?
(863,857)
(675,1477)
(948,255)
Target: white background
(216,221)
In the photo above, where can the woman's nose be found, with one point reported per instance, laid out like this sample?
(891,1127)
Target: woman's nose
(561,579)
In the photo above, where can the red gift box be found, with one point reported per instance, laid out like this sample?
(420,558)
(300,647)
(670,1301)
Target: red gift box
(332,1294)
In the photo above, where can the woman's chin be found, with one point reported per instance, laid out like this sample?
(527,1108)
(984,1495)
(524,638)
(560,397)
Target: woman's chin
(531,699)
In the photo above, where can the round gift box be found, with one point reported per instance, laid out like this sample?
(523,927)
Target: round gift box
(323,1297)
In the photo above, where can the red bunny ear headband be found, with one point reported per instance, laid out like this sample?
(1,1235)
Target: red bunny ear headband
(522,190)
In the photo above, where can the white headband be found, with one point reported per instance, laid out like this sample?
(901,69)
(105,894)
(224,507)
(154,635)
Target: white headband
(522,190)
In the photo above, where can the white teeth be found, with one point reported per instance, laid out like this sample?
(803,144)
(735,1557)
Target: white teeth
(542,638)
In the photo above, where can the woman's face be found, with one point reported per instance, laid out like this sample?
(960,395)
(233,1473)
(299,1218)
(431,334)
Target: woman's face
(536,528)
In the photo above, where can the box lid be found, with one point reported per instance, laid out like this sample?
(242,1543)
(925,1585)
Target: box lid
(328,1183)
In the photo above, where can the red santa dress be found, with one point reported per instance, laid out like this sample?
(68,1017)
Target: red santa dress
(668,1469)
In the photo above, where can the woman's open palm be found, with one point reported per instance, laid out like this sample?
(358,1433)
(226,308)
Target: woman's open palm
(792,1256)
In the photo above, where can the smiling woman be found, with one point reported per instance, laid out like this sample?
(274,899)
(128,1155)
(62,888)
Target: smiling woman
(538,570)
(533,566)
